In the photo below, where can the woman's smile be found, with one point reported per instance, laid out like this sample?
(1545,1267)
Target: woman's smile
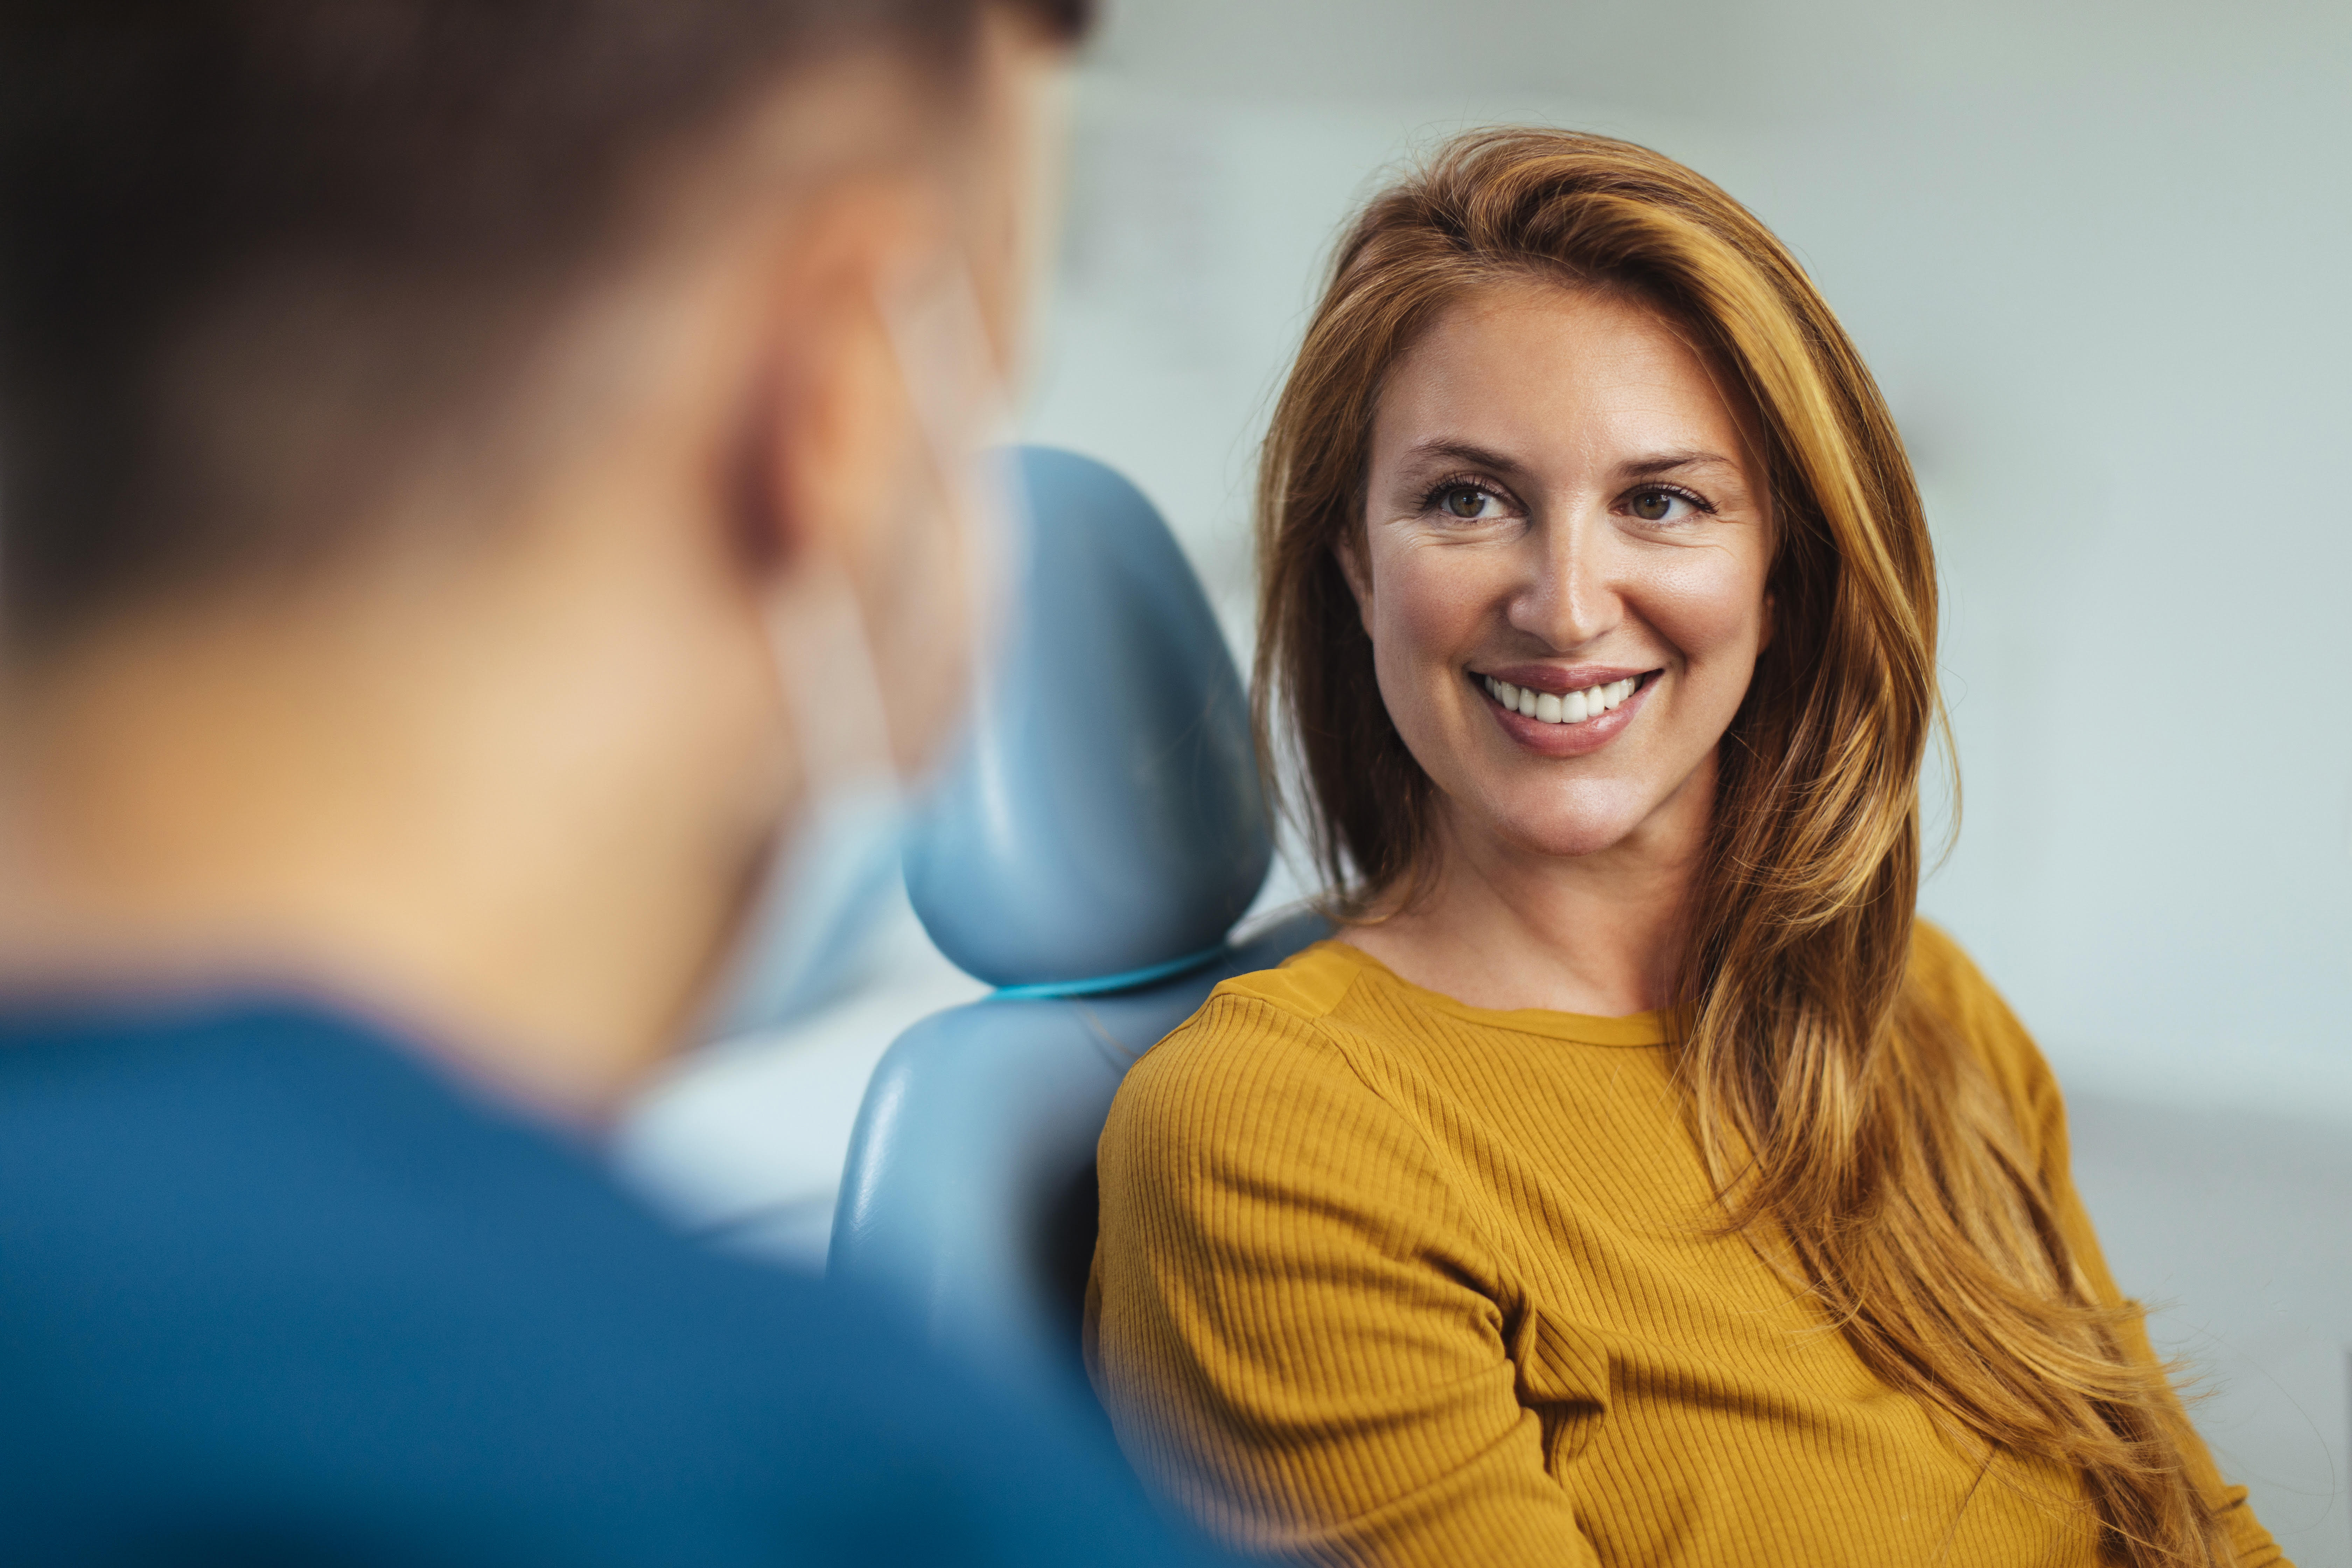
(1563,712)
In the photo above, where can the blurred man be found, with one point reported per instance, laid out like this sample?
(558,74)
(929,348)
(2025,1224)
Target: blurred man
(477,473)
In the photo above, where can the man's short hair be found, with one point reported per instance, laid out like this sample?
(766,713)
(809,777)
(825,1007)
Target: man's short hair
(394,179)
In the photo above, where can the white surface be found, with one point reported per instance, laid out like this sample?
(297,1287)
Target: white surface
(2233,1227)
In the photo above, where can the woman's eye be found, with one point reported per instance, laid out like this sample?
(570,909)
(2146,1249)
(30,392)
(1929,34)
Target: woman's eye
(1660,506)
(1465,501)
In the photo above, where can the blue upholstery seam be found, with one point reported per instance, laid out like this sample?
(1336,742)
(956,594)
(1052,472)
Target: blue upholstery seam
(1128,981)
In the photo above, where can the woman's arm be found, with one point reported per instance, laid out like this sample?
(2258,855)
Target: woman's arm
(1292,1321)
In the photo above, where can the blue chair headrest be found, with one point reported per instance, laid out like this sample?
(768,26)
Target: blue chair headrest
(1105,821)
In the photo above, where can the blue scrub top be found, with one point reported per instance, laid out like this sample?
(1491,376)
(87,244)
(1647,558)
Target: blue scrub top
(273,1290)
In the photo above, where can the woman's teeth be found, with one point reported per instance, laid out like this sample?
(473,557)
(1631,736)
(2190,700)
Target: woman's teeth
(1551,707)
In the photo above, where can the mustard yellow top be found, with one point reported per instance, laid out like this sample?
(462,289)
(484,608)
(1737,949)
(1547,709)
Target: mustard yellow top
(1384,1279)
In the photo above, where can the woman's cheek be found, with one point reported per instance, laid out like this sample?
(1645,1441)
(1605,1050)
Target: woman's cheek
(1710,609)
(1435,599)
(1428,606)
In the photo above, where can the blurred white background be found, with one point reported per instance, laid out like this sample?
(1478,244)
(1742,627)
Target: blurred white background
(2100,256)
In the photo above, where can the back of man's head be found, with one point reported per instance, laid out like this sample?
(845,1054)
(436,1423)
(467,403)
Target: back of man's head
(257,254)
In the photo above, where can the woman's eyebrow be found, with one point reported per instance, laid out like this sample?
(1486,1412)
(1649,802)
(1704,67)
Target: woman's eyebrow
(1462,452)
(1674,462)
(1445,449)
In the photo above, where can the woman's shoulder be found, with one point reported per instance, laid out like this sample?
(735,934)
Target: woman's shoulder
(1309,986)
(1258,1045)
(1947,979)
(1264,1091)
(1947,982)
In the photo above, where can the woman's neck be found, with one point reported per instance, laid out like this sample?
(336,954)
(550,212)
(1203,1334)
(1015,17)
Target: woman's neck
(1505,927)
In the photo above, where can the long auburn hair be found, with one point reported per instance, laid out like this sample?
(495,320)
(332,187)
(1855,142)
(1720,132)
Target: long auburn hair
(1831,1102)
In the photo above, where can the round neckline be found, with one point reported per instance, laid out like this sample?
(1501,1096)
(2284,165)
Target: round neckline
(1634,1029)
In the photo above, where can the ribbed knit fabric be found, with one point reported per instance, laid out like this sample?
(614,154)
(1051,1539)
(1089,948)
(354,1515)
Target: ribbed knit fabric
(1384,1278)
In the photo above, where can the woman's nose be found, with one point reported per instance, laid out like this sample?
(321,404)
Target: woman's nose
(1569,595)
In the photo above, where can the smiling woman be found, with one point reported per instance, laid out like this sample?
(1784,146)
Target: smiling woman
(1562,504)
(1634,1179)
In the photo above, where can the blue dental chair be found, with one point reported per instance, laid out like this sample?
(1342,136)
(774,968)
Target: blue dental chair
(1089,855)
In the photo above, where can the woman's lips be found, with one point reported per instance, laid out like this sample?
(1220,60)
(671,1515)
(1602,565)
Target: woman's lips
(1563,713)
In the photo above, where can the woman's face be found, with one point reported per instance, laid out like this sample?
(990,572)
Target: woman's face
(1566,530)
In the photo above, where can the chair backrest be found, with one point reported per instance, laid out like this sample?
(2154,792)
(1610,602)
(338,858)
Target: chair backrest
(1089,855)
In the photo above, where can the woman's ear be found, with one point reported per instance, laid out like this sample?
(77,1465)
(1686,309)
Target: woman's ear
(1771,621)
(1347,554)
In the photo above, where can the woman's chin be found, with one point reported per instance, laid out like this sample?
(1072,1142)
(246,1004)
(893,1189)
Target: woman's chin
(1566,837)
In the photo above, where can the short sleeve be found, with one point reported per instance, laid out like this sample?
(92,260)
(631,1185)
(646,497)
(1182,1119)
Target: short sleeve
(1959,991)
(1292,1321)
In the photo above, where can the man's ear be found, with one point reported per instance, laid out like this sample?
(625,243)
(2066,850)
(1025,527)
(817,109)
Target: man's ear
(825,407)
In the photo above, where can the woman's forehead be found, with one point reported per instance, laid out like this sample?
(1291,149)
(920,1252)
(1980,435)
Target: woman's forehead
(1527,367)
